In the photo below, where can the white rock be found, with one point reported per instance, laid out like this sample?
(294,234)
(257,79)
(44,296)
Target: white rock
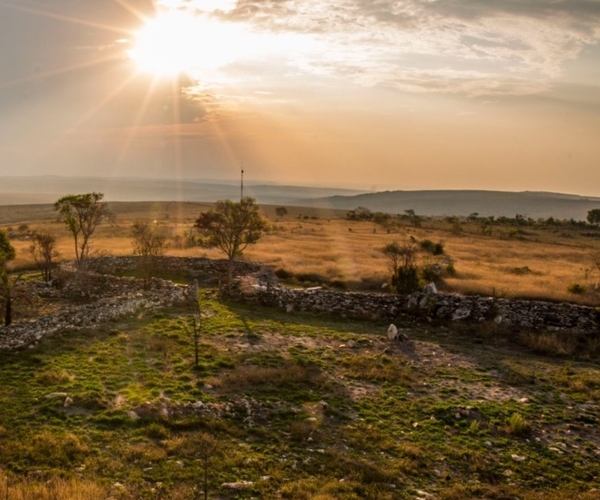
(392,332)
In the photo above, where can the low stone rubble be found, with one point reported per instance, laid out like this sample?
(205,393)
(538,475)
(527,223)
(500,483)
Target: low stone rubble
(104,299)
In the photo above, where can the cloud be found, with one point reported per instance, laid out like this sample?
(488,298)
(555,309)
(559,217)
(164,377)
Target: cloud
(465,46)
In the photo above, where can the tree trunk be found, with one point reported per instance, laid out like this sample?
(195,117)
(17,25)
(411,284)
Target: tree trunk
(8,312)
(230,271)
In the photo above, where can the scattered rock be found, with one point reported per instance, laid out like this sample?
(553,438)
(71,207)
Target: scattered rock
(53,395)
(239,485)
(461,313)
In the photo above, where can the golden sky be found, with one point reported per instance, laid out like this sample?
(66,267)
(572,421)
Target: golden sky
(413,94)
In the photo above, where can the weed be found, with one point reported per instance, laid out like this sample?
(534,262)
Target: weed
(517,425)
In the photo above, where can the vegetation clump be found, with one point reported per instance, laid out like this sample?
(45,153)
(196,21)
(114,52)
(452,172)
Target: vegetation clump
(231,227)
(402,260)
(82,214)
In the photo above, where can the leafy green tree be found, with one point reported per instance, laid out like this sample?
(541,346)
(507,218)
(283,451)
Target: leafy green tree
(231,227)
(82,213)
(593,216)
(7,253)
(281,211)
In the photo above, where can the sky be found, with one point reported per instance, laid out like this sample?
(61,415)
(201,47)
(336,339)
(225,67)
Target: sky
(371,94)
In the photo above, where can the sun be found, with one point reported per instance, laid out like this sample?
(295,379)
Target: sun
(180,41)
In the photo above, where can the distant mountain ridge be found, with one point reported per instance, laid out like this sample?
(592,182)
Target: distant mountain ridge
(534,204)
(465,202)
(46,189)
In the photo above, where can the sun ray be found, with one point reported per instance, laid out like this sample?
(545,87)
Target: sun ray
(55,145)
(60,71)
(66,19)
(176,90)
(107,98)
(134,129)
(132,10)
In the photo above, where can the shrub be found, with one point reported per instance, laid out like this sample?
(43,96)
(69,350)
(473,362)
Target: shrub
(450,269)
(517,425)
(433,248)
(406,280)
(576,288)
(283,274)
(432,271)
(405,274)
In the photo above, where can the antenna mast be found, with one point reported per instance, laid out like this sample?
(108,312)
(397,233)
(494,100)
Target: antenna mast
(242,184)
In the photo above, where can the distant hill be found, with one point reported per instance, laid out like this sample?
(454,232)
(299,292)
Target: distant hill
(463,203)
(46,189)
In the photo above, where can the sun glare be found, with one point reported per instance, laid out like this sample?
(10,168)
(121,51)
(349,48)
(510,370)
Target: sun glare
(182,42)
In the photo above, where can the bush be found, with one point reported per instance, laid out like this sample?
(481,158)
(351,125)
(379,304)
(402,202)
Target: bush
(432,271)
(405,273)
(450,269)
(406,280)
(517,425)
(433,248)
(283,274)
(576,288)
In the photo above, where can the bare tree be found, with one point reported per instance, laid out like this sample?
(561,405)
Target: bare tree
(82,213)
(403,266)
(149,242)
(207,448)
(43,251)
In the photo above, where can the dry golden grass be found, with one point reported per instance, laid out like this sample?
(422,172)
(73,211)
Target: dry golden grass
(54,489)
(324,244)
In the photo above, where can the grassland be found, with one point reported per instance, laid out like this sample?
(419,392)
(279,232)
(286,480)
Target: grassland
(299,406)
(295,407)
(314,246)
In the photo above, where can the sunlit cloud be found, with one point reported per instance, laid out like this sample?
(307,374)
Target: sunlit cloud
(519,46)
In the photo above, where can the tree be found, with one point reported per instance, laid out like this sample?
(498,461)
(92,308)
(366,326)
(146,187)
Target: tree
(231,227)
(148,243)
(207,449)
(281,211)
(82,213)
(7,253)
(593,216)
(43,251)
(403,265)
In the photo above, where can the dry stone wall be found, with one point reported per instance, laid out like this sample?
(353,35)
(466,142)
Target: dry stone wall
(96,297)
(526,314)
(201,268)
(92,300)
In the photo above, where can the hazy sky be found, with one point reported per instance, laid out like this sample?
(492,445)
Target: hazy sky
(382,94)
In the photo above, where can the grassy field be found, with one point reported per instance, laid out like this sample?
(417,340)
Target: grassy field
(295,407)
(300,406)
(314,246)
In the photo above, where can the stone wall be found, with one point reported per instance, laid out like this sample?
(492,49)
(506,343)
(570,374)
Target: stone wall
(92,299)
(97,297)
(201,268)
(526,314)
